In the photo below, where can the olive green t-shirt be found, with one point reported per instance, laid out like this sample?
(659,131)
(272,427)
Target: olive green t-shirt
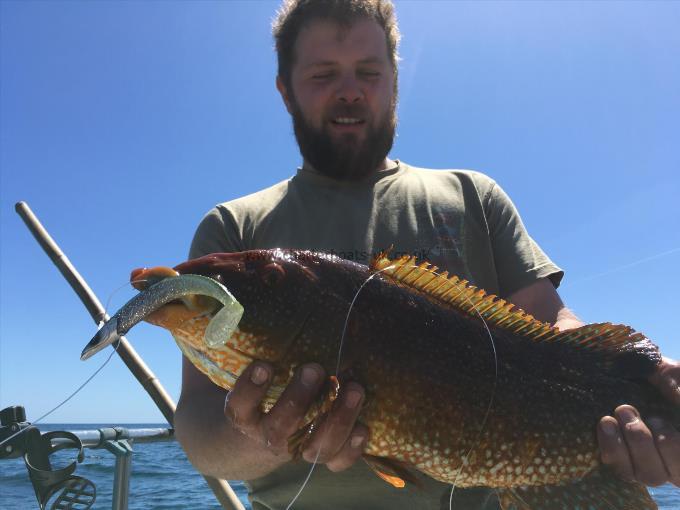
(460,221)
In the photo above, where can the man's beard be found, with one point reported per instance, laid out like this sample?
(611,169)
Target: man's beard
(345,158)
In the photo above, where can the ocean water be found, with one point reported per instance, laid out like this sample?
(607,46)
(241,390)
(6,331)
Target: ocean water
(162,478)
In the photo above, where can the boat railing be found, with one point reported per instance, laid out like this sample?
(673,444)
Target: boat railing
(223,492)
(59,487)
(118,441)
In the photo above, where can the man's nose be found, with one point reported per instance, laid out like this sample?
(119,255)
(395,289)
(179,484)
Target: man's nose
(349,90)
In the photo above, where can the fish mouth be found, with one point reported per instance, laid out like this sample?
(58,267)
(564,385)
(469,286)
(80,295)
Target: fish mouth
(177,312)
(171,300)
(226,378)
(142,278)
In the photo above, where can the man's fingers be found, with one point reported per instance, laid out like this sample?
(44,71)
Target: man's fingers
(667,380)
(242,404)
(647,463)
(613,449)
(339,441)
(667,441)
(287,414)
(351,450)
(336,428)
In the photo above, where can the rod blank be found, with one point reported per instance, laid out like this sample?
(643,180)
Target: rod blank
(132,360)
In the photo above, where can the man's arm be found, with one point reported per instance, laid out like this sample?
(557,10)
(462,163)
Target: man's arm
(646,452)
(231,438)
(541,300)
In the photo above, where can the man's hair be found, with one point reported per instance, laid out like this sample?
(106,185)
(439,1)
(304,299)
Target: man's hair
(294,15)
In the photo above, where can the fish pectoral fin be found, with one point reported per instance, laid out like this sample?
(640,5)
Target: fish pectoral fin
(599,490)
(392,471)
(298,441)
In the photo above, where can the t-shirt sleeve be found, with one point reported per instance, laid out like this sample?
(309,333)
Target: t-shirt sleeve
(217,233)
(518,258)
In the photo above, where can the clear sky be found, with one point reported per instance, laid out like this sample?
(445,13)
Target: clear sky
(122,123)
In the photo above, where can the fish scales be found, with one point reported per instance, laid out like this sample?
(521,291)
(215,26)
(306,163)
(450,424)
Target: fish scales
(504,402)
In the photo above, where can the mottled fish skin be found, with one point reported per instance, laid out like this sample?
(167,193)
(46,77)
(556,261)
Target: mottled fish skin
(440,395)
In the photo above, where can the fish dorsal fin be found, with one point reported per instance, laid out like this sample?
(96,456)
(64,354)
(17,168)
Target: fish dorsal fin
(619,348)
(461,295)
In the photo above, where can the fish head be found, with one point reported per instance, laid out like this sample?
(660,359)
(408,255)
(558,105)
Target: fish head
(278,289)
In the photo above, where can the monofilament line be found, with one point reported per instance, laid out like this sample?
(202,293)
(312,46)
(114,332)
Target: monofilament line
(304,484)
(495,382)
(349,311)
(488,409)
(115,348)
(337,369)
(77,390)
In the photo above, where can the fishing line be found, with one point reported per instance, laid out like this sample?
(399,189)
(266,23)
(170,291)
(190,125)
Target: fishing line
(337,369)
(488,409)
(115,345)
(116,290)
(309,475)
(349,311)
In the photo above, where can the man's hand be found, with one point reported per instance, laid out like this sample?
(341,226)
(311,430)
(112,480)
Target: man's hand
(648,452)
(338,441)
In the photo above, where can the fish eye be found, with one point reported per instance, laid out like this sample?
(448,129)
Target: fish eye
(272,274)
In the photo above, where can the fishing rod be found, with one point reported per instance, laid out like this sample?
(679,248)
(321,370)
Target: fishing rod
(223,492)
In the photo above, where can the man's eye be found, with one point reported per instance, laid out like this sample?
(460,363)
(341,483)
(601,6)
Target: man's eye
(322,76)
(369,74)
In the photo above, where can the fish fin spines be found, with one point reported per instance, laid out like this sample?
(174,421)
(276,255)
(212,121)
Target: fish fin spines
(459,294)
(391,471)
(299,440)
(394,481)
(622,350)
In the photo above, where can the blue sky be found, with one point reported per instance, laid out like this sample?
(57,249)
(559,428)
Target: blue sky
(122,123)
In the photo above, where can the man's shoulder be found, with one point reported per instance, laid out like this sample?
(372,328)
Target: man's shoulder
(259,201)
(225,226)
(460,177)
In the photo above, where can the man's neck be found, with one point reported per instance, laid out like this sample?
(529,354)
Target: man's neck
(386,163)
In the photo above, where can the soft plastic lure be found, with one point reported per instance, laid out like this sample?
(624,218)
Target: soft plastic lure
(220,328)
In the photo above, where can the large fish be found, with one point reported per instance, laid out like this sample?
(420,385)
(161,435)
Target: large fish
(459,384)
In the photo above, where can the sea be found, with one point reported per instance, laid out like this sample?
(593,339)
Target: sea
(162,477)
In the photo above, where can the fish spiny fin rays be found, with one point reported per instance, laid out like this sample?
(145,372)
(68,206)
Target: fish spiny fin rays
(462,296)
(315,416)
(392,471)
(619,347)
(600,490)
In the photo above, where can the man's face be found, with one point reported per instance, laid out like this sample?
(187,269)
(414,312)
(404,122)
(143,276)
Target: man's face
(342,97)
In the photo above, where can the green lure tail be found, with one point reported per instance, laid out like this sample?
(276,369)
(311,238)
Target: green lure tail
(220,328)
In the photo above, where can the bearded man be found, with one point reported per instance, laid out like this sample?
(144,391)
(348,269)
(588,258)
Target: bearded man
(337,76)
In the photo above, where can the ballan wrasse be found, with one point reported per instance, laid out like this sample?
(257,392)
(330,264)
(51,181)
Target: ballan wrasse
(460,385)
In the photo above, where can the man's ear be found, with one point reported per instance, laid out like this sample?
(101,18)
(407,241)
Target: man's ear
(284,93)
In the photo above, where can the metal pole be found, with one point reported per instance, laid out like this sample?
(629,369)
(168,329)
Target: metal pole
(134,362)
(121,476)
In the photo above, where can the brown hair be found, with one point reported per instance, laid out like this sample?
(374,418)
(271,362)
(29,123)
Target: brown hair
(293,15)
